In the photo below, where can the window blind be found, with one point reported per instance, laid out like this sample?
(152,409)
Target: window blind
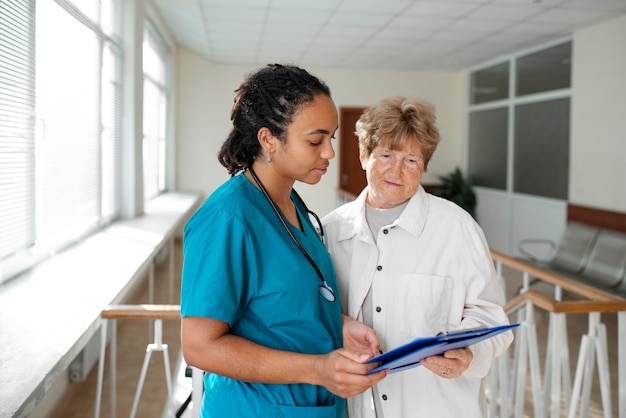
(154,111)
(60,140)
(68,103)
(17,139)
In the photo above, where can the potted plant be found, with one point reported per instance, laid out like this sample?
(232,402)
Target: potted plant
(456,188)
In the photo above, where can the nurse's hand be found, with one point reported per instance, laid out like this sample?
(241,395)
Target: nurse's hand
(359,338)
(343,373)
(452,364)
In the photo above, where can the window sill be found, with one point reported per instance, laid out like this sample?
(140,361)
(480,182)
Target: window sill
(49,313)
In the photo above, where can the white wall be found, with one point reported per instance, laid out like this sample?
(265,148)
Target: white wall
(597,147)
(598,128)
(206,92)
(598,139)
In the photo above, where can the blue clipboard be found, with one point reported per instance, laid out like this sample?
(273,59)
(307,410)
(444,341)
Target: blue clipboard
(409,355)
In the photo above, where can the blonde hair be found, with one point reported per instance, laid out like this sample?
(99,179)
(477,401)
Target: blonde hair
(395,120)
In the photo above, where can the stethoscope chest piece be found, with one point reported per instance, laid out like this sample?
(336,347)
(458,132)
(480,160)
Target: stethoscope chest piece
(327,292)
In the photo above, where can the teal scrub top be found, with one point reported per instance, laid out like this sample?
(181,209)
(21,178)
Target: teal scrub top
(240,266)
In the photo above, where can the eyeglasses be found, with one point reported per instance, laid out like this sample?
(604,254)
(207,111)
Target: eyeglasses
(324,289)
(409,161)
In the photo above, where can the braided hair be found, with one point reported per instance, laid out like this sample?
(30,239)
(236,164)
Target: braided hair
(269,98)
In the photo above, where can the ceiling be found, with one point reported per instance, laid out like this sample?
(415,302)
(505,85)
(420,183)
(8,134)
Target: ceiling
(415,35)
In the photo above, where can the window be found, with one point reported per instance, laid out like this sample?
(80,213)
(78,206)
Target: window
(488,153)
(528,127)
(490,84)
(60,144)
(546,70)
(154,112)
(542,148)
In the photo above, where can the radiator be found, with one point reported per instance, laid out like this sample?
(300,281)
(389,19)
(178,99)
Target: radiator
(84,362)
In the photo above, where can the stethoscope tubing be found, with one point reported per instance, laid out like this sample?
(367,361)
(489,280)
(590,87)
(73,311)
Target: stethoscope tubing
(324,289)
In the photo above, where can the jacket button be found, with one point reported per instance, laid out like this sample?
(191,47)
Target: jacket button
(385,231)
(379,268)
(384,397)
(378,309)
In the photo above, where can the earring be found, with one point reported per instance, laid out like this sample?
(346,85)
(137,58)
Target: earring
(269,159)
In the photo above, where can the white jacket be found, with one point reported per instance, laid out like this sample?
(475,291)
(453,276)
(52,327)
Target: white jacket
(431,271)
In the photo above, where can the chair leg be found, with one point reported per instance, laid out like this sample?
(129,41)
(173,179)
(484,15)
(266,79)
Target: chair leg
(198,390)
(604,373)
(582,354)
(156,346)
(593,347)
(113,368)
(103,345)
(142,377)
(168,378)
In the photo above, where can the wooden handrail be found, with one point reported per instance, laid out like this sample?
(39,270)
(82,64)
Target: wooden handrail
(586,306)
(144,311)
(550,304)
(515,303)
(536,298)
(544,301)
(597,300)
(566,283)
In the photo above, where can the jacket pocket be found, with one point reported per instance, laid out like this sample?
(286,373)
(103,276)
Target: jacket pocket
(424,304)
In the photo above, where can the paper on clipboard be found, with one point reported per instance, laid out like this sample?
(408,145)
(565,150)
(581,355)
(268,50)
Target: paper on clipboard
(409,355)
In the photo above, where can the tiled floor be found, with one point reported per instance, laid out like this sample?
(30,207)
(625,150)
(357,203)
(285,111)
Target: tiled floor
(133,336)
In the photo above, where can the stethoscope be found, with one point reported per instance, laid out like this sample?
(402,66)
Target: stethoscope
(324,289)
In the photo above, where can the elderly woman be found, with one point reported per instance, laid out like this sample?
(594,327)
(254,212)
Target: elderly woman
(410,264)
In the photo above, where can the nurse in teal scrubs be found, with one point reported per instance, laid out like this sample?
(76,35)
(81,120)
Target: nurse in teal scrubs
(259,302)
